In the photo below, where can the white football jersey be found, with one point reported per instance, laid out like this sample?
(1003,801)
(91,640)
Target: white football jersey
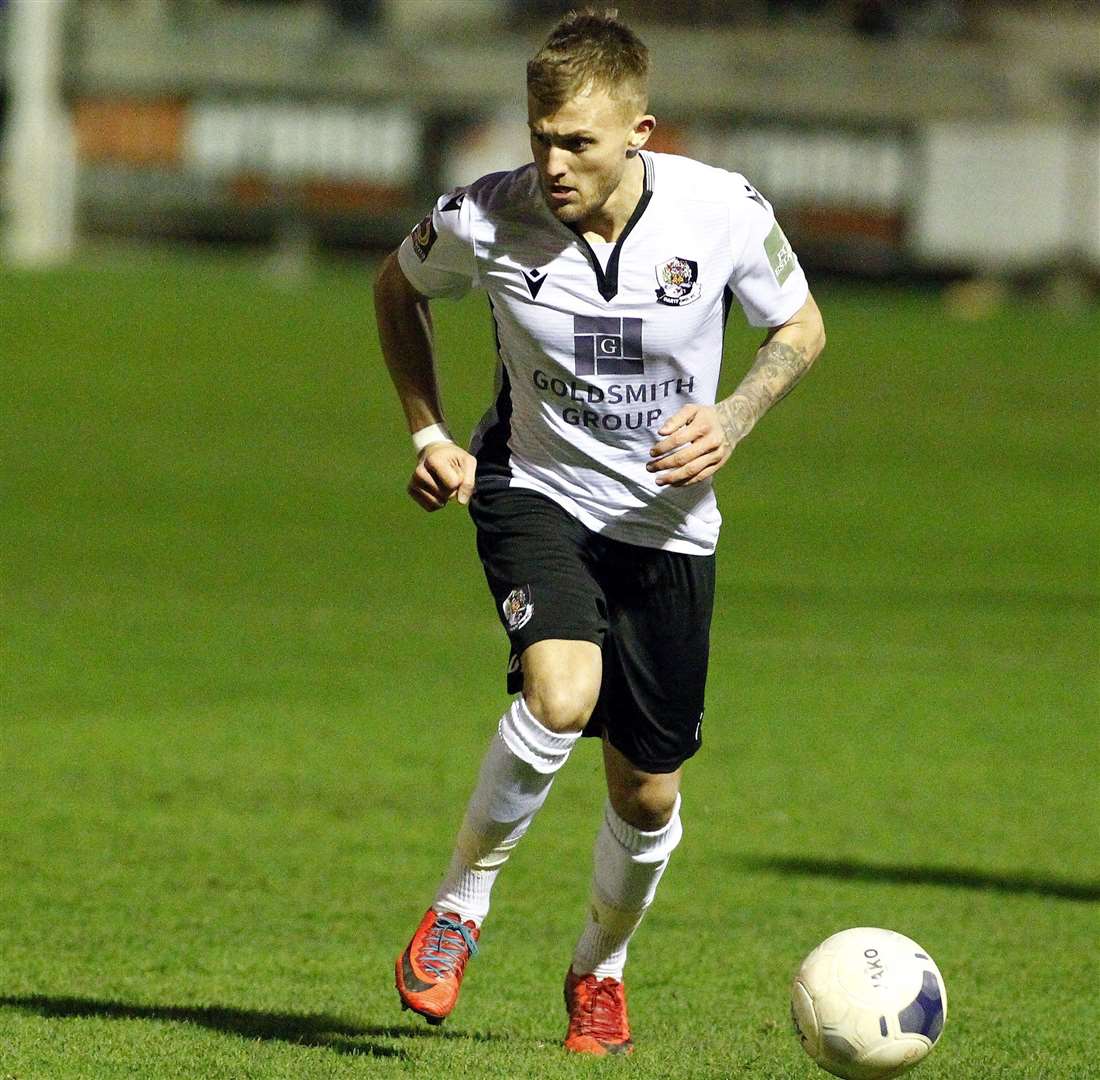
(600,344)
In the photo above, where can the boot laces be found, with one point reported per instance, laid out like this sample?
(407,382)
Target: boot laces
(446,946)
(600,1010)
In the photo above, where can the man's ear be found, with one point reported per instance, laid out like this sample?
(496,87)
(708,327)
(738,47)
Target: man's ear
(643,128)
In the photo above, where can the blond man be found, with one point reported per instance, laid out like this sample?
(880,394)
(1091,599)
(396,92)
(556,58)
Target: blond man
(610,272)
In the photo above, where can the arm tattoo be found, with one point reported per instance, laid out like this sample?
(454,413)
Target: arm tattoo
(777,369)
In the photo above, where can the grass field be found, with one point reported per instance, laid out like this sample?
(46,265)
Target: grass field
(246,685)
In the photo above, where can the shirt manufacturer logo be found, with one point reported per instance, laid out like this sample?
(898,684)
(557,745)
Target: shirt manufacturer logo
(756,196)
(535,280)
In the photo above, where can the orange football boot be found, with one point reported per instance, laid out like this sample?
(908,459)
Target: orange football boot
(597,1015)
(429,972)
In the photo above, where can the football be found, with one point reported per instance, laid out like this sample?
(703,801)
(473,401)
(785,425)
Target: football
(868,1004)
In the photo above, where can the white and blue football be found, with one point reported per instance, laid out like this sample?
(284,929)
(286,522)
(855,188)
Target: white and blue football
(868,1004)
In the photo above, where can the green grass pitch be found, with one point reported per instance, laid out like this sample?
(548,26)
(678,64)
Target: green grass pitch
(246,686)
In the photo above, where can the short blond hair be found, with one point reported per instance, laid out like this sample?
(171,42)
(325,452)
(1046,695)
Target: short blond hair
(590,50)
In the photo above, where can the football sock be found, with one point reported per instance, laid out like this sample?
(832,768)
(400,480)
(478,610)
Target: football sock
(515,778)
(627,865)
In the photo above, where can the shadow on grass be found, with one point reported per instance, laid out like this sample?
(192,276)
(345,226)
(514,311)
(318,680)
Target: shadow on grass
(854,870)
(925,596)
(300,1029)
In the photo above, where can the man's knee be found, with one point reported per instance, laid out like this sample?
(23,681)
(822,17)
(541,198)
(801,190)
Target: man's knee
(643,799)
(561,683)
(648,806)
(560,708)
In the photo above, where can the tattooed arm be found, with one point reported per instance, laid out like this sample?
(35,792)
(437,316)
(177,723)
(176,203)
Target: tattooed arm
(786,355)
(698,439)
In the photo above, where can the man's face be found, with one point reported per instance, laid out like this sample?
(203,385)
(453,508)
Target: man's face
(580,151)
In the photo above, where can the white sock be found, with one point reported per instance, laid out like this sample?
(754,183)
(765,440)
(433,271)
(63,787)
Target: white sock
(628,864)
(515,778)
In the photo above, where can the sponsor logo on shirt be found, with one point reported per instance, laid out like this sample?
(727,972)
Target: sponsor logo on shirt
(780,254)
(603,345)
(678,281)
(578,400)
(423,237)
(607,345)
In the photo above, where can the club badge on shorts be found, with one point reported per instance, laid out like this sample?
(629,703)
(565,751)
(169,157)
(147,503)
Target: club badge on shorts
(423,237)
(518,608)
(679,282)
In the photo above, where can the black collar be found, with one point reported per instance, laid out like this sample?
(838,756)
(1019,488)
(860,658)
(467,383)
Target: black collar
(607,281)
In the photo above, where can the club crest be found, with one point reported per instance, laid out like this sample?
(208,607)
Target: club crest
(423,237)
(518,608)
(679,282)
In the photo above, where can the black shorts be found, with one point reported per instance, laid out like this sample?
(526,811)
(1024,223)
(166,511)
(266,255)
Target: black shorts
(649,611)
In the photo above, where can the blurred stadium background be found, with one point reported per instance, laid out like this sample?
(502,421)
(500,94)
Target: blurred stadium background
(945,137)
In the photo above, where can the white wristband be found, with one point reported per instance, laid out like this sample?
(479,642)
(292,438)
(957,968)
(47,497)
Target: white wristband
(428,435)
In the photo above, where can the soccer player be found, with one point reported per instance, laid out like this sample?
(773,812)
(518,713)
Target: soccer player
(610,272)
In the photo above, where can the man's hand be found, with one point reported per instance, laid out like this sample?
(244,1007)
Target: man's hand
(698,439)
(444,471)
(696,445)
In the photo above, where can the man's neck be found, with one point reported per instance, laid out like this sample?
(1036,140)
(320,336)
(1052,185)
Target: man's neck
(607,224)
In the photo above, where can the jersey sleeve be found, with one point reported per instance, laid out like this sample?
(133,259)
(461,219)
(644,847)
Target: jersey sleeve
(437,257)
(767,278)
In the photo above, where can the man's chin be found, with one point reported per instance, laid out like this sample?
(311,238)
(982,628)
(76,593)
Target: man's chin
(567,213)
